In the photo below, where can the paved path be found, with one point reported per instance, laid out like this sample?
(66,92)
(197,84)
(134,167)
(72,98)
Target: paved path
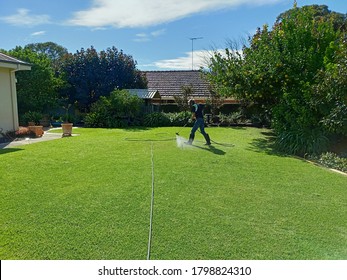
(47,136)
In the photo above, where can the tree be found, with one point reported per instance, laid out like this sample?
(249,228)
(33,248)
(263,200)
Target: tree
(53,52)
(90,75)
(279,69)
(182,99)
(36,89)
(214,102)
(330,92)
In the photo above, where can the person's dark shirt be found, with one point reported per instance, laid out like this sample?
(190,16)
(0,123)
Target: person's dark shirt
(197,109)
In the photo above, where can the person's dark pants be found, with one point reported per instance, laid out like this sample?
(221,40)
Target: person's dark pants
(199,123)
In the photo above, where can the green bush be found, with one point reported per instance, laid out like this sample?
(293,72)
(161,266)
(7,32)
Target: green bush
(166,119)
(179,119)
(224,120)
(94,119)
(156,119)
(302,142)
(231,119)
(331,160)
(31,116)
(119,110)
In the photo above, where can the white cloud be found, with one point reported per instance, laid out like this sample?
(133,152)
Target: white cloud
(38,33)
(24,18)
(159,32)
(200,59)
(144,13)
(146,37)
(142,37)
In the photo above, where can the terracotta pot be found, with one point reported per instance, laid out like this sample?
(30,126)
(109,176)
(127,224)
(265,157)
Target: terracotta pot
(67,129)
(37,129)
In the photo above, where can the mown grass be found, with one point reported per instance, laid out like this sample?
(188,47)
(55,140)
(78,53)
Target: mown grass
(88,197)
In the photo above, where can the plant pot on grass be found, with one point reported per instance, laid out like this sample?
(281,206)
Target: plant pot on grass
(67,124)
(36,129)
(67,129)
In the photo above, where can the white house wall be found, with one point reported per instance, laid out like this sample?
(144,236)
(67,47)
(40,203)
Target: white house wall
(8,100)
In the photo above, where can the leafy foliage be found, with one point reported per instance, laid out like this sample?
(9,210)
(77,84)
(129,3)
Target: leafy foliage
(52,51)
(230,119)
(118,110)
(294,71)
(331,160)
(31,116)
(37,89)
(179,119)
(182,100)
(302,142)
(90,75)
(156,119)
(214,102)
(331,91)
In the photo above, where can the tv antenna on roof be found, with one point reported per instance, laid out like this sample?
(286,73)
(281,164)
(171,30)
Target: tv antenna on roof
(193,39)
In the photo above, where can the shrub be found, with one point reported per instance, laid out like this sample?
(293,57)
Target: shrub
(179,119)
(118,110)
(224,120)
(230,119)
(94,119)
(31,116)
(156,120)
(302,142)
(236,117)
(331,160)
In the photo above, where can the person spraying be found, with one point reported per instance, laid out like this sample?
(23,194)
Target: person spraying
(198,116)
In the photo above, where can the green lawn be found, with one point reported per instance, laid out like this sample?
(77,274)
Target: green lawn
(88,197)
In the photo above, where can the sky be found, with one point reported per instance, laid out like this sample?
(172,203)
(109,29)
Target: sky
(158,34)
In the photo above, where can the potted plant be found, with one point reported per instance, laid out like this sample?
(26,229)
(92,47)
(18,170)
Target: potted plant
(56,121)
(66,125)
(33,119)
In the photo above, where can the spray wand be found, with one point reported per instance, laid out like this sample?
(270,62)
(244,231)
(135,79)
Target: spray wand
(178,133)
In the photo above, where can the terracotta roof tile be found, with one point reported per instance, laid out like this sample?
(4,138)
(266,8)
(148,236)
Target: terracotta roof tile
(170,83)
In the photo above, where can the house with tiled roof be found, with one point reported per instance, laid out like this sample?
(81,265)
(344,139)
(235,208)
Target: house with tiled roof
(169,84)
(8,93)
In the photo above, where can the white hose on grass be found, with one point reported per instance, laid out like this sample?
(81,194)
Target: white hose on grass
(151,210)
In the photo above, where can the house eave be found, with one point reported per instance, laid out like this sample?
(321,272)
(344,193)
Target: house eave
(14,66)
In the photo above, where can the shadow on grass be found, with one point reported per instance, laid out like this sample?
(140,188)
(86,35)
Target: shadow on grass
(137,128)
(212,149)
(266,144)
(4,150)
(149,139)
(235,127)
